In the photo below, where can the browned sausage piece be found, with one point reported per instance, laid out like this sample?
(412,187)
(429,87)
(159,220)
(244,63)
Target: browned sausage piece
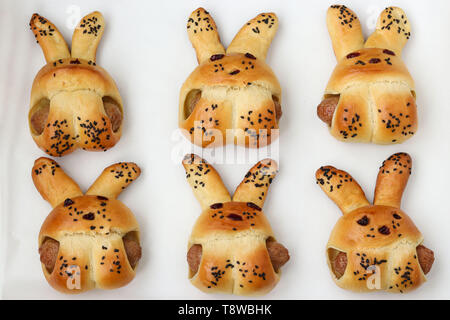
(326,108)
(426,258)
(113,112)
(49,252)
(192,98)
(339,264)
(194,256)
(278,112)
(133,250)
(39,118)
(279,255)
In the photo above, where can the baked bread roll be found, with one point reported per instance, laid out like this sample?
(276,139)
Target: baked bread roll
(374,247)
(232,248)
(74,103)
(231,89)
(89,240)
(371,95)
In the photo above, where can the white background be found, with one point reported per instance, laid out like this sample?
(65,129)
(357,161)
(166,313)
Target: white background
(146,50)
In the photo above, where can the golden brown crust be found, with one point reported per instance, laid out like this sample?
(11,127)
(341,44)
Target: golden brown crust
(114,179)
(392,179)
(236,90)
(49,38)
(255,36)
(87,36)
(74,88)
(205,182)
(228,241)
(229,220)
(392,31)
(341,188)
(247,271)
(344,29)
(256,183)
(203,34)
(376,238)
(90,231)
(52,182)
(371,79)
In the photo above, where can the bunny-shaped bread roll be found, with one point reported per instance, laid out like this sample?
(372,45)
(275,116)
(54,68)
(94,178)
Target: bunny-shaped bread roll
(232,248)
(374,247)
(74,103)
(231,90)
(89,240)
(370,96)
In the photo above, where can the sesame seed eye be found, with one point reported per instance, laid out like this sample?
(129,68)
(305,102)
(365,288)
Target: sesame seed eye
(364,221)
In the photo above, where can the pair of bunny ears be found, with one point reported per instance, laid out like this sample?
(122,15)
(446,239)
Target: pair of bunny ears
(392,31)
(348,195)
(56,186)
(85,39)
(209,189)
(254,37)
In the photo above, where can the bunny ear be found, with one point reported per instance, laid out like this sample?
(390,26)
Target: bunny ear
(341,188)
(87,35)
(256,183)
(203,35)
(205,181)
(392,32)
(52,183)
(392,179)
(51,41)
(255,36)
(114,179)
(345,30)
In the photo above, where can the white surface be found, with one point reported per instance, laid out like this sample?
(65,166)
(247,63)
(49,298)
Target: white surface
(146,50)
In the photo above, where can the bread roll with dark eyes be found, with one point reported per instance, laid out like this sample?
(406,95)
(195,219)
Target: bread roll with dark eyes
(232,248)
(231,88)
(90,239)
(370,96)
(74,103)
(375,239)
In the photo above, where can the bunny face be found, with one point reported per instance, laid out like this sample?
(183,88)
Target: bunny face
(363,235)
(375,239)
(373,91)
(233,234)
(95,237)
(74,103)
(233,88)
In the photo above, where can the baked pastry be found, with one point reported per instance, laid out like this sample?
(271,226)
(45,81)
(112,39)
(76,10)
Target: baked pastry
(375,247)
(231,90)
(371,95)
(232,248)
(74,103)
(89,240)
